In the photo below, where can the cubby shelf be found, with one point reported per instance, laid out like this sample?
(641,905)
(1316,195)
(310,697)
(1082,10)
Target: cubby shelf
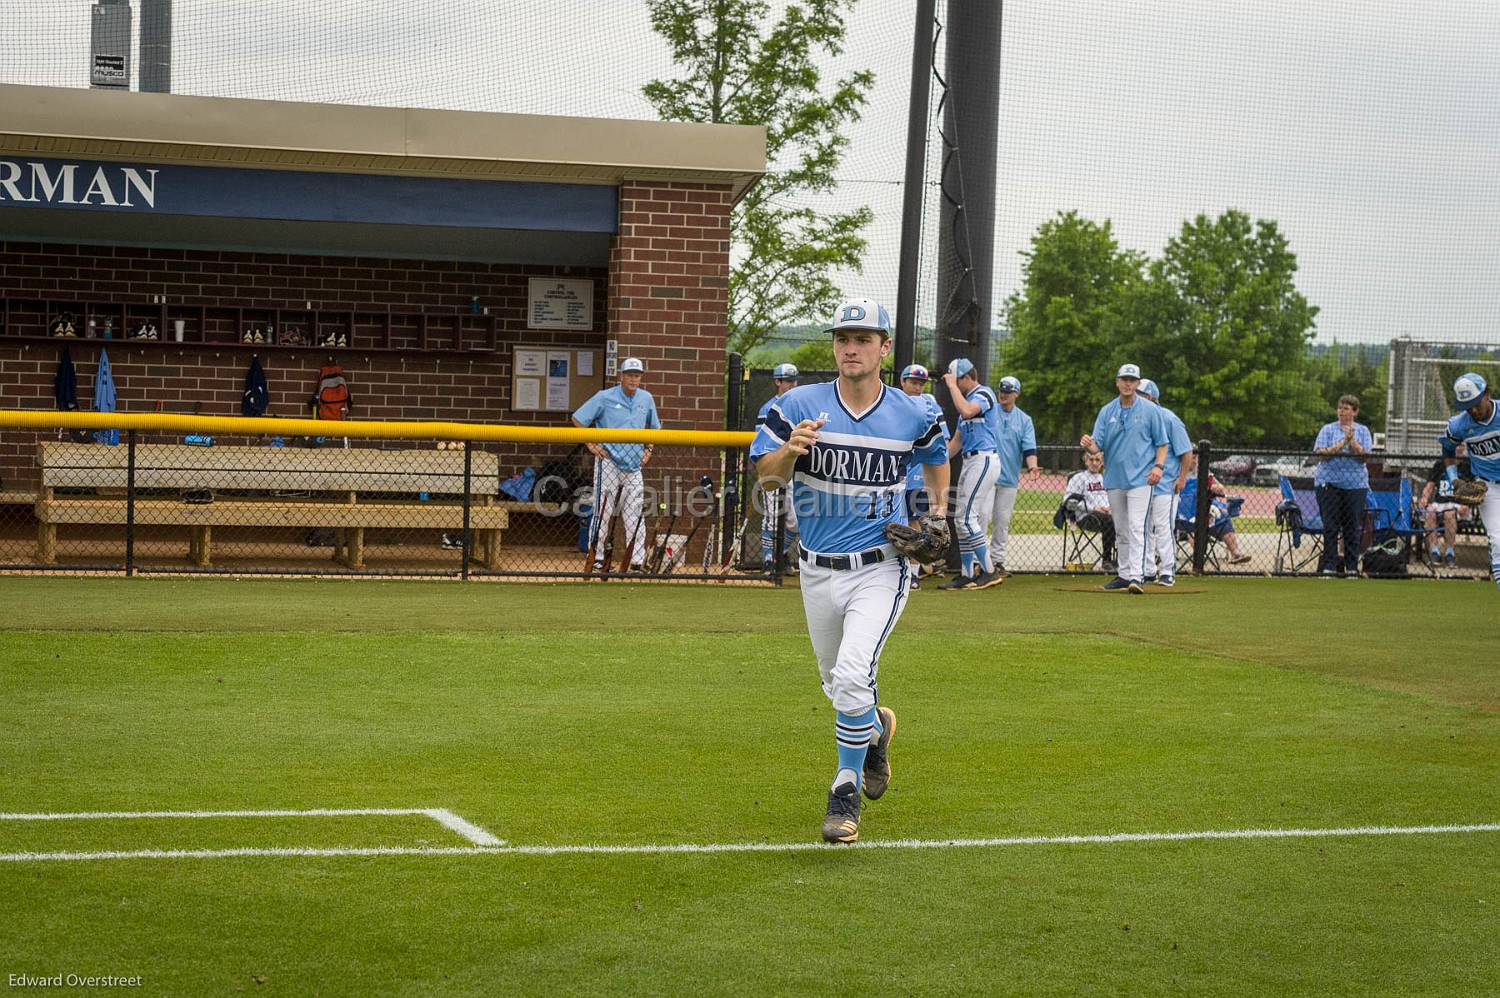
(366,330)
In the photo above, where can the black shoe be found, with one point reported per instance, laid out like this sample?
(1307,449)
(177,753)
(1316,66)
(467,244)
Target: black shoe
(1135,588)
(878,758)
(985,580)
(1116,585)
(841,823)
(957,582)
(1001,571)
(1109,566)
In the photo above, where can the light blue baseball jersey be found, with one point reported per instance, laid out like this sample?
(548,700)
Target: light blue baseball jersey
(1347,472)
(981,432)
(853,481)
(1483,440)
(914,471)
(760,417)
(612,409)
(1129,436)
(1179,445)
(1017,441)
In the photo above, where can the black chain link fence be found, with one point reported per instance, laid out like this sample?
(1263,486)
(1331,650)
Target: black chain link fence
(155,502)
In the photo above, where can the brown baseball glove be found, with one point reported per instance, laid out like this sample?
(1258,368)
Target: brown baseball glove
(928,543)
(1470,491)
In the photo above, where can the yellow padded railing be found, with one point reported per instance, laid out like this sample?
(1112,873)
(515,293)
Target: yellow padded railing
(41,419)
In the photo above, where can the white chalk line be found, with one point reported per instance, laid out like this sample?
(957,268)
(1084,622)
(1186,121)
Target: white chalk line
(762,847)
(441,815)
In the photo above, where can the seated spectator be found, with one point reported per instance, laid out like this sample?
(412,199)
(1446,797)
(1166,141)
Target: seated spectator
(1437,500)
(1092,513)
(1221,526)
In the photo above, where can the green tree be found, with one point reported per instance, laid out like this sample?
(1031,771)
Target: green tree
(1220,325)
(1340,372)
(1063,321)
(736,68)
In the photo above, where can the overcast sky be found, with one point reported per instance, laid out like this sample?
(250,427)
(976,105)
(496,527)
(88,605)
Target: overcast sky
(1369,131)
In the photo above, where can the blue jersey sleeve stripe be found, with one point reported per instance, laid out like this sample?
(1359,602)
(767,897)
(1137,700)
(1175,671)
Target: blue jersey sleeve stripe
(777,424)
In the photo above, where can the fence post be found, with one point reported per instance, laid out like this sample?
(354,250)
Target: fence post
(1200,514)
(129,503)
(463,571)
(778,536)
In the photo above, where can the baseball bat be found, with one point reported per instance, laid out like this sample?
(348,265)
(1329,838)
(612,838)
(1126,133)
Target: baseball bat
(662,539)
(707,485)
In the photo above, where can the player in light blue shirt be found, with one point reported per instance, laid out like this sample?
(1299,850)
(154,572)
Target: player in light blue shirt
(1161,541)
(845,447)
(1015,437)
(976,438)
(1478,427)
(913,381)
(784,377)
(1132,434)
(619,488)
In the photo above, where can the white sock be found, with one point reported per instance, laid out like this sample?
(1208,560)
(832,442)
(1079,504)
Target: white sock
(845,776)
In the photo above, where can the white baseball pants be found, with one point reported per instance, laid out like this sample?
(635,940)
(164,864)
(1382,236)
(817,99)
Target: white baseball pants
(1005,506)
(850,614)
(1161,537)
(1489,515)
(976,505)
(1131,510)
(618,493)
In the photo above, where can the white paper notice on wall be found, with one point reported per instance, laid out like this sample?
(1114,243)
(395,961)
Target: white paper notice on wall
(528,394)
(558,304)
(585,363)
(531,363)
(557,394)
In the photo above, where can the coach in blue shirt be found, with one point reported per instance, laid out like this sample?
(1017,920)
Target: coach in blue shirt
(1132,434)
(618,485)
(1341,481)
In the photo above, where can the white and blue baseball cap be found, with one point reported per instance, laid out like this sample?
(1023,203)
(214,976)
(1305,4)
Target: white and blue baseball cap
(1009,384)
(861,313)
(915,371)
(1129,371)
(1469,388)
(1148,388)
(959,366)
(632,364)
(786,372)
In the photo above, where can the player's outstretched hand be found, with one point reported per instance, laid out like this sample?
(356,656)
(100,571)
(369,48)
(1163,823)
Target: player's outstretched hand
(804,435)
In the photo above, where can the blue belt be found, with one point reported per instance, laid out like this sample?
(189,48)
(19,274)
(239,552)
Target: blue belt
(843,562)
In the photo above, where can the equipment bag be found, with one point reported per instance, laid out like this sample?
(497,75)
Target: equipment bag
(332,399)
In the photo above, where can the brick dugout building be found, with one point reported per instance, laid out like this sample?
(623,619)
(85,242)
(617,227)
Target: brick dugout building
(414,234)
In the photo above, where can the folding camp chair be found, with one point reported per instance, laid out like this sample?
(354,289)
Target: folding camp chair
(1388,503)
(1083,537)
(1186,528)
(1298,519)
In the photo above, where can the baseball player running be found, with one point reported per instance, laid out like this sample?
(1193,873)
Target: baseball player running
(618,485)
(976,438)
(913,382)
(785,378)
(1132,435)
(1161,539)
(845,446)
(1479,428)
(1016,447)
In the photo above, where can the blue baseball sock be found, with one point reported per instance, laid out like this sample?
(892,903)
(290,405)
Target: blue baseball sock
(853,733)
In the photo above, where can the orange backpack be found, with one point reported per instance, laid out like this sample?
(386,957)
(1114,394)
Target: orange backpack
(333,398)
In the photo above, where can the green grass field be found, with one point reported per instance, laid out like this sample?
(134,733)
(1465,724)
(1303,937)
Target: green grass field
(619,716)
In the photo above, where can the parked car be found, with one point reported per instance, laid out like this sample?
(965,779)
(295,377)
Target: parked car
(1268,473)
(1234,469)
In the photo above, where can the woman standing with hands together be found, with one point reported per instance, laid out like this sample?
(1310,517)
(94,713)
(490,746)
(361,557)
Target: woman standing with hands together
(1341,481)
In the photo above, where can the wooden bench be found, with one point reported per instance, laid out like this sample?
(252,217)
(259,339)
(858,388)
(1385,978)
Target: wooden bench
(364,488)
